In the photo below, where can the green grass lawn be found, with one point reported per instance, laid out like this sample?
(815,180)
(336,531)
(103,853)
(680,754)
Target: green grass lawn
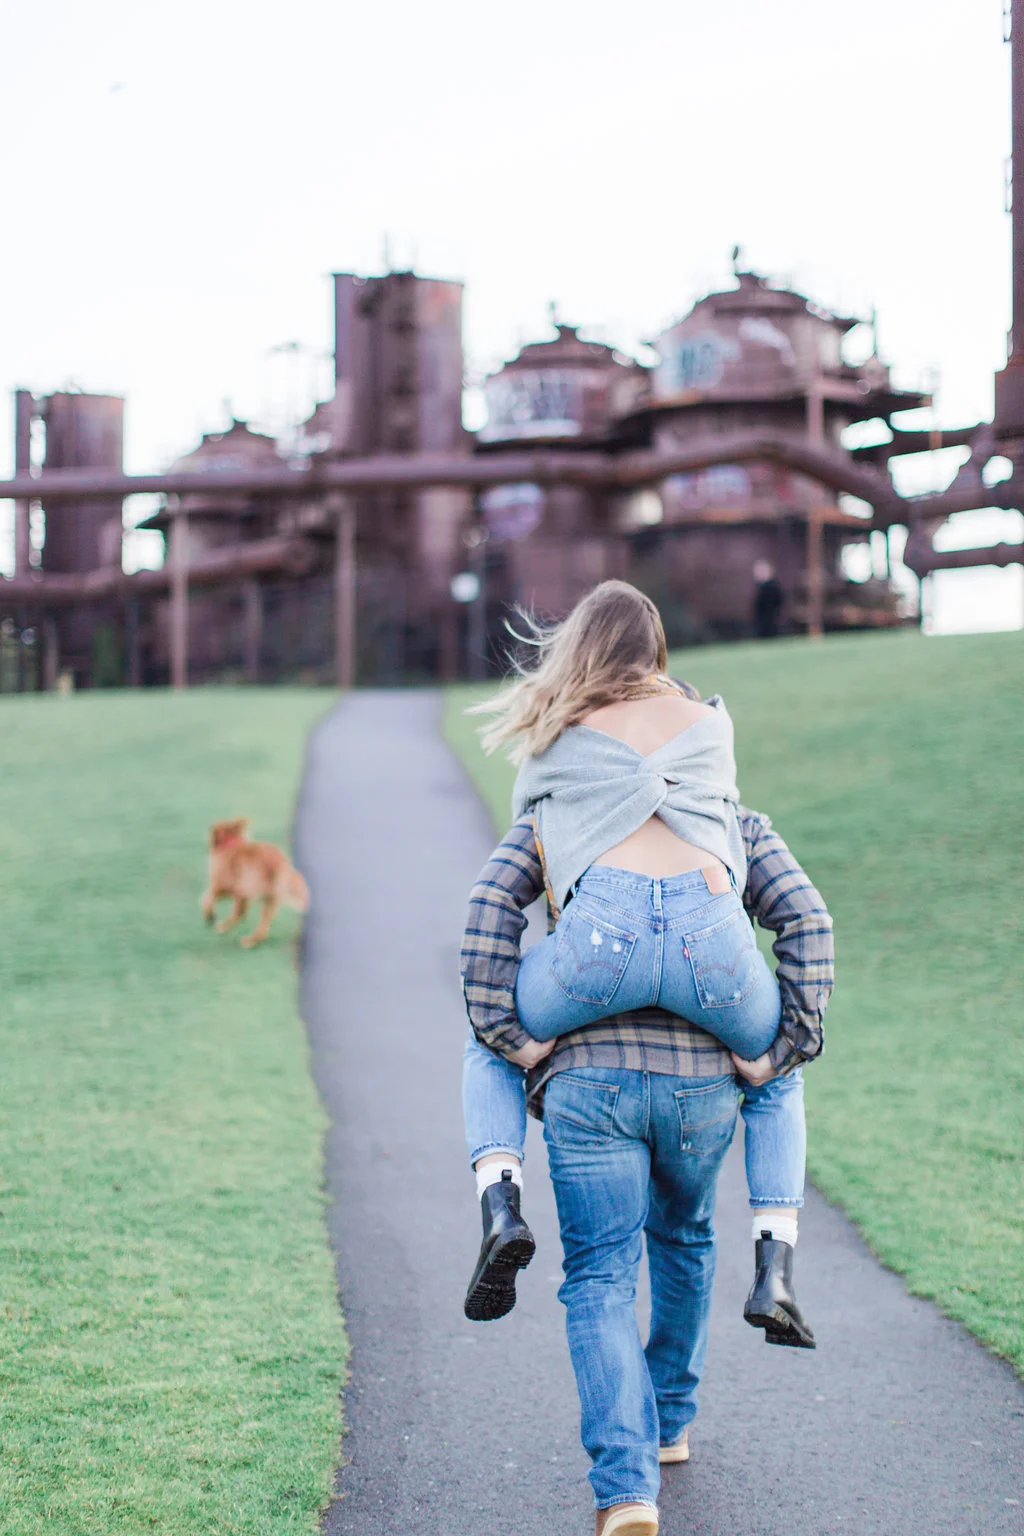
(170,1346)
(894,767)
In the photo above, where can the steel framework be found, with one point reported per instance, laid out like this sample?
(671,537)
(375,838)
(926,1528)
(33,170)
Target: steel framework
(863,474)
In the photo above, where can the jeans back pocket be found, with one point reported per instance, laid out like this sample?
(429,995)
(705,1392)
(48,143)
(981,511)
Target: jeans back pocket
(707,1117)
(724,960)
(590,954)
(579,1112)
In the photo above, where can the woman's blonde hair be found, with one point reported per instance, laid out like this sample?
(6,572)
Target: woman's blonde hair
(611,642)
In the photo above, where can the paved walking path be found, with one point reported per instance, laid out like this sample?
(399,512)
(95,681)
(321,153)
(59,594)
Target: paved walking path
(899,1423)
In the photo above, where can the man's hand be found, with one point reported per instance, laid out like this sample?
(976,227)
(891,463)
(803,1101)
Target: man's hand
(755,1072)
(528,1055)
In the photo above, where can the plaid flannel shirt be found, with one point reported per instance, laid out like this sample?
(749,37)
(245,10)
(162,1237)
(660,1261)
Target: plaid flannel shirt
(778,895)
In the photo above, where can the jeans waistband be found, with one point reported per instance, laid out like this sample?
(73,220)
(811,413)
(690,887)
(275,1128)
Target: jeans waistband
(611,877)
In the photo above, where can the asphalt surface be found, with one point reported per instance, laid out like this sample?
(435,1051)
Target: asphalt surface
(898,1423)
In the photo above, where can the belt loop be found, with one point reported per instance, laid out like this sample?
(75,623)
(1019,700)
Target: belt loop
(657,896)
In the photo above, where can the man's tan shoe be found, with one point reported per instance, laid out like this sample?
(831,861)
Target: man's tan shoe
(678,1452)
(627,1520)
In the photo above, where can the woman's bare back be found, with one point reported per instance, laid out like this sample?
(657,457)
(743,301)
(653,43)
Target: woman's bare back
(645,725)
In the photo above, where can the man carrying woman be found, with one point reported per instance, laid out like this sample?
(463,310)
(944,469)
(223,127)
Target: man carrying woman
(639,1106)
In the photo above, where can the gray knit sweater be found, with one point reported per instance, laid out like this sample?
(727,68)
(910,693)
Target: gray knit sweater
(589,791)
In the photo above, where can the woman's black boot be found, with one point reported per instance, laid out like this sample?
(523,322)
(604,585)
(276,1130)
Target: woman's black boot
(508,1247)
(771,1304)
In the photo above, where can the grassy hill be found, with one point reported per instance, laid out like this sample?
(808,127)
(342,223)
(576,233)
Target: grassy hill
(170,1345)
(894,767)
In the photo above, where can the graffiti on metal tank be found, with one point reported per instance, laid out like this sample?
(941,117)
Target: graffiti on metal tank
(512,512)
(696,361)
(763,333)
(723,485)
(533,402)
(733,487)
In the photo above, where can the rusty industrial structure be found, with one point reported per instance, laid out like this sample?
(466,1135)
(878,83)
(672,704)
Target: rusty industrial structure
(756,359)
(391,542)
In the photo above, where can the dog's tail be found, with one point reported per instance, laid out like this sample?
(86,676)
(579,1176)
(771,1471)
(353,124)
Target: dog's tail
(296,891)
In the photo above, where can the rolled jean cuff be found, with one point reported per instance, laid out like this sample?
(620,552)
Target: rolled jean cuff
(629,1498)
(489,1148)
(781,1200)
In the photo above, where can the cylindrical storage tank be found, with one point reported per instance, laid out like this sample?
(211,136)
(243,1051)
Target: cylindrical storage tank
(83,432)
(751,343)
(565,391)
(555,544)
(217,518)
(756,357)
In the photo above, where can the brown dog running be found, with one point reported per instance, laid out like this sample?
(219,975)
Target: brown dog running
(248,871)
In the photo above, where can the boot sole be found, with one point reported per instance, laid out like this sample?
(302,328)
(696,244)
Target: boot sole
(494,1294)
(779,1328)
(793,1337)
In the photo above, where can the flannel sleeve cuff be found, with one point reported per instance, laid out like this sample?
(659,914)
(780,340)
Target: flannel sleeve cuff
(505,1038)
(784,1056)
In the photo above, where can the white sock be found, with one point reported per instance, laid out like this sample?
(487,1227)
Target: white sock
(491,1174)
(782,1228)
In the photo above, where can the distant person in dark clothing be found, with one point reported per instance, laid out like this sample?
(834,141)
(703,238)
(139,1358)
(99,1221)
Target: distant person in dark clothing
(769,600)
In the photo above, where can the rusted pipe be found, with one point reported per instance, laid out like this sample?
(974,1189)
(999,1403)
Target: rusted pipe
(23,408)
(924,441)
(1017,206)
(177,569)
(292,556)
(410,471)
(345,591)
(829,466)
(922,559)
(1007,495)
(1009,384)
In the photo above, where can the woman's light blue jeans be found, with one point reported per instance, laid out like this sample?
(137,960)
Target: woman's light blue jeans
(628,941)
(494,1106)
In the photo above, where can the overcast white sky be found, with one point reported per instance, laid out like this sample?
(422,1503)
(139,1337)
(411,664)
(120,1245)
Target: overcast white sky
(180,179)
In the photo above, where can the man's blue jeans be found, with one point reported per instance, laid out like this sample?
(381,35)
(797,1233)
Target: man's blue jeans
(633,1153)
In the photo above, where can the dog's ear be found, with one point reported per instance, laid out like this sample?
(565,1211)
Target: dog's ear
(242,825)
